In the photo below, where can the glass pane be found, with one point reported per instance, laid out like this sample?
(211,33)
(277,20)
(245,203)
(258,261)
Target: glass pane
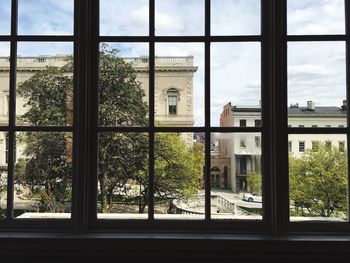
(43,174)
(235,176)
(172,17)
(123,84)
(4,82)
(3,173)
(179,73)
(179,185)
(44,84)
(235,17)
(124,18)
(45,17)
(315,17)
(123,188)
(318,177)
(5,17)
(235,84)
(316,84)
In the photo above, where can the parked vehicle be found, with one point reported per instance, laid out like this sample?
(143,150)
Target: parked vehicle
(252,197)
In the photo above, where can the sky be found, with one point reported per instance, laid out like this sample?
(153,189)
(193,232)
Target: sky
(316,71)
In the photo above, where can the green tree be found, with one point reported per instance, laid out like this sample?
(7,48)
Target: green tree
(122,156)
(46,169)
(318,182)
(254,183)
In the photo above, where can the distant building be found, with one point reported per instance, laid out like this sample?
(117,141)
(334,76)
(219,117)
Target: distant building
(244,149)
(173,89)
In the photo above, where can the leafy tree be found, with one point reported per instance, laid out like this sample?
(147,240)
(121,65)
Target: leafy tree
(254,183)
(318,182)
(46,168)
(3,187)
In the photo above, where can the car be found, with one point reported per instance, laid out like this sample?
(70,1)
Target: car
(252,197)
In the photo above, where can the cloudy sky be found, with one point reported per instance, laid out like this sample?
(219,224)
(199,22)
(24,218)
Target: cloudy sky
(316,71)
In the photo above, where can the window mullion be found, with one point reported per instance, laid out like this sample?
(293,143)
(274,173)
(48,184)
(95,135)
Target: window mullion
(279,102)
(347,57)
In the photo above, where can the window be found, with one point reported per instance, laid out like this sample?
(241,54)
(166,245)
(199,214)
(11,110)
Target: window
(315,145)
(243,143)
(242,123)
(172,101)
(257,141)
(119,123)
(301,147)
(328,144)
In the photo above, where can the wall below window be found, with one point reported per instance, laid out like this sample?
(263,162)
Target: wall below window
(170,248)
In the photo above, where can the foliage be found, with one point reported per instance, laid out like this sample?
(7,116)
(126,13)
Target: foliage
(46,168)
(255,183)
(318,182)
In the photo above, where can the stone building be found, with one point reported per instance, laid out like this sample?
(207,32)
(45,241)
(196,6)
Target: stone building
(173,89)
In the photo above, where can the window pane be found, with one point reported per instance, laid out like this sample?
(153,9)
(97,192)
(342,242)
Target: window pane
(235,17)
(235,84)
(124,18)
(316,84)
(4,82)
(5,17)
(43,174)
(44,84)
(178,176)
(123,84)
(318,178)
(3,173)
(172,17)
(315,17)
(179,72)
(45,17)
(123,188)
(235,176)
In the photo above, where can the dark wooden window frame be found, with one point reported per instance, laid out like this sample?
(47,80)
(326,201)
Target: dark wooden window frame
(274,128)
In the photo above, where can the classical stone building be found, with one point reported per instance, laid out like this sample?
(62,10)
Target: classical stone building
(244,149)
(173,89)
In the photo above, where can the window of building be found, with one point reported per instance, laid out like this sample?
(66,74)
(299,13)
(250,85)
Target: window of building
(243,143)
(328,144)
(289,146)
(242,123)
(257,141)
(257,123)
(315,145)
(301,147)
(301,126)
(314,126)
(172,101)
(341,146)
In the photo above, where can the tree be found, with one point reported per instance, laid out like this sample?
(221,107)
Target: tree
(318,182)
(46,169)
(122,156)
(254,183)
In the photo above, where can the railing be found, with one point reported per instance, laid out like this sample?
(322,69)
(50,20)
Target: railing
(164,61)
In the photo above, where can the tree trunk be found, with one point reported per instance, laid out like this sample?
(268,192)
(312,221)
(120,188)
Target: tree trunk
(103,195)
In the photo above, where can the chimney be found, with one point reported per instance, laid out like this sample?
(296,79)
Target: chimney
(345,105)
(296,105)
(310,105)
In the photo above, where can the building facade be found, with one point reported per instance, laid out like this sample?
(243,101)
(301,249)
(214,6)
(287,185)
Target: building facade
(173,90)
(244,149)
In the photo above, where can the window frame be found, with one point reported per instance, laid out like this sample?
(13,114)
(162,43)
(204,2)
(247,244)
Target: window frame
(274,128)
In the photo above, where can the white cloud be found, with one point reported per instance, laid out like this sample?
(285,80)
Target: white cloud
(45,17)
(316,17)
(4,49)
(235,17)
(44,48)
(316,71)
(119,17)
